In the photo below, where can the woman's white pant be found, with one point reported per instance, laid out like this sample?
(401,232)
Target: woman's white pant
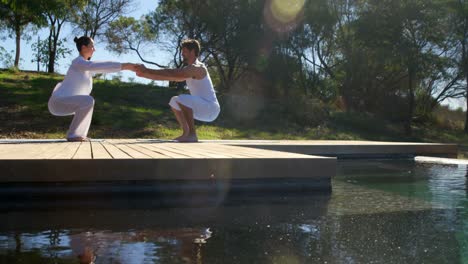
(203,110)
(79,105)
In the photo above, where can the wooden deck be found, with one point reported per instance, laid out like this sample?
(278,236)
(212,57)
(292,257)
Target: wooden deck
(143,165)
(350,149)
(124,160)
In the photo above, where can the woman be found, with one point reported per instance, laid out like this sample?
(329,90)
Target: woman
(72,96)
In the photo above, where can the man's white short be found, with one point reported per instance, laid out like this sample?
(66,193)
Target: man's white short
(203,110)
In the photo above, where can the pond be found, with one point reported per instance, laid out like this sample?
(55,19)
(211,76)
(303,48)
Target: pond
(379,211)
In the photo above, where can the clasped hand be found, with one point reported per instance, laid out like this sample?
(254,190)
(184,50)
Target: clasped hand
(137,68)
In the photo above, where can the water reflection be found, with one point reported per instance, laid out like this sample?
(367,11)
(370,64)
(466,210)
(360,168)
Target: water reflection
(379,211)
(168,235)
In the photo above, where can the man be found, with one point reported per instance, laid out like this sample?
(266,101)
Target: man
(202,103)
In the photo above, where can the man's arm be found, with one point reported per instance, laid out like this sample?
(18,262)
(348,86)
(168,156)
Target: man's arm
(177,75)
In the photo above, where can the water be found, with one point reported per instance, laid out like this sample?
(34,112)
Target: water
(378,212)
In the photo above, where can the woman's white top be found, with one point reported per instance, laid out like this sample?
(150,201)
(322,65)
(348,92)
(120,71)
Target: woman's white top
(79,78)
(203,87)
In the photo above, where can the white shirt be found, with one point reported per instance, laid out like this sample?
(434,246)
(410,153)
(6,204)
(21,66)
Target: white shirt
(79,78)
(203,87)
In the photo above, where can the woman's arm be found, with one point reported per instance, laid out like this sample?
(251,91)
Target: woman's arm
(99,66)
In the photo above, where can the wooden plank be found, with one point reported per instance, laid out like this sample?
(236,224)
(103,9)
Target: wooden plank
(68,152)
(22,150)
(259,153)
(121,144)
(183,149)
(160,149)
(98,151)
(202,150)
(84,151)
(147,151)
(349,148)
(7,148)
(232,152)
(115,152)
(53,149)
(246,152)
(251,152)
(164,169)
(177,152)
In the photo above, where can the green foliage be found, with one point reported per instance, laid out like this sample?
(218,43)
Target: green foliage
(131,110)
(392,59)
(395,59)
(6,58)
(41,52)
(57,13)
(15,15)
(128,34)
(93,20)
(19,13)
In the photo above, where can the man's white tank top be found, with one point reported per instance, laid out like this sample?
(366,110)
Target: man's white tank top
(203,87)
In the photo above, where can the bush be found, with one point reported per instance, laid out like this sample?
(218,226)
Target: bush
(309,111)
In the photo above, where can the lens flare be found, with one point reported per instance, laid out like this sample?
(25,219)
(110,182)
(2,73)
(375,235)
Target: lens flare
(283,15)
(286,11)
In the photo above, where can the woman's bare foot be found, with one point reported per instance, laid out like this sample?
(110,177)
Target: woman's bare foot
(78,139)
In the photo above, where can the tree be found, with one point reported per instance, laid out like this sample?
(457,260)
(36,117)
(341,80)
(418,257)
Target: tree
(42,53)
(16,15)
(392,49)
(174,21)
(313,43)
(57,13)
(228,36)
(96,16)
(233,37)
(458,10)
(128,34)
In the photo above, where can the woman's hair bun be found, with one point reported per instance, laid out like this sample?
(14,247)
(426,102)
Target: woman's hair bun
(82,41)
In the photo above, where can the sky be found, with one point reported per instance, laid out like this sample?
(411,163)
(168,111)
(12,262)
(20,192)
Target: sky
(140,8)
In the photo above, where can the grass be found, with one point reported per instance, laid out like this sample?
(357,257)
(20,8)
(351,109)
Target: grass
(130,110)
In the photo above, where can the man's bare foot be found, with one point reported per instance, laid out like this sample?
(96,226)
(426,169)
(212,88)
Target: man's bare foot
(189,138)
(78,139)
(87,257)
(180,137)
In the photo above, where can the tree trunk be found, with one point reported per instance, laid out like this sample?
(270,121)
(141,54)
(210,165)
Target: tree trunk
(50,65)
(38,59)
(54,34)
(466,98)
(18,247)
(465,69)
(221,72)
(18,45)
(408,122)
(53,50)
